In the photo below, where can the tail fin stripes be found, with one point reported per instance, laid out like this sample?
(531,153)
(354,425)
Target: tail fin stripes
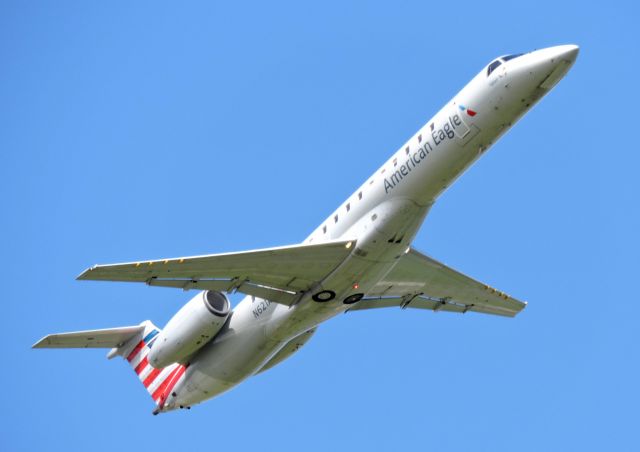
(140,367)
(161,394)
(158,382)
(133,344)
(147,340)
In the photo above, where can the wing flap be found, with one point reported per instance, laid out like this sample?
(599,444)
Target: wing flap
(420,302)
(227,285)
(105,338)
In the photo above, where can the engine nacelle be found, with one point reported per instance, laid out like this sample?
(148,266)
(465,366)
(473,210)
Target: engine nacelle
(190,329)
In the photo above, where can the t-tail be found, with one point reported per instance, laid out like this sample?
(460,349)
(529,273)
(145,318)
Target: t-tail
(133,343)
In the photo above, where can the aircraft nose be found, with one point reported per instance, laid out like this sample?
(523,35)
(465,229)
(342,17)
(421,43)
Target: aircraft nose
(567,53)
(555,56)
(553,63)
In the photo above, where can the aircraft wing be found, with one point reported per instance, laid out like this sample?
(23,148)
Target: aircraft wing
(278,274)
(419,281)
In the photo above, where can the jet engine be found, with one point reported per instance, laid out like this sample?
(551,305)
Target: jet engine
(190,329)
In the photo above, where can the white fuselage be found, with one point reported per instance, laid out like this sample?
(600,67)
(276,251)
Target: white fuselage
(382,217)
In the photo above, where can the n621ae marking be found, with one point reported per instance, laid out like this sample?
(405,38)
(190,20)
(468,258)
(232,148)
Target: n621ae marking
(359,258)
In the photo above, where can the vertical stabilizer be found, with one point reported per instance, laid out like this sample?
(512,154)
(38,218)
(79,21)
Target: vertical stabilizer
(158,382)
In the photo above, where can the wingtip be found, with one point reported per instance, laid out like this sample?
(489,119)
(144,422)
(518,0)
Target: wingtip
(85,274)
(40,343)
(522,308)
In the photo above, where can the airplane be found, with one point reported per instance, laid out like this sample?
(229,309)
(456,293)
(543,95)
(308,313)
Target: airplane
(359,258)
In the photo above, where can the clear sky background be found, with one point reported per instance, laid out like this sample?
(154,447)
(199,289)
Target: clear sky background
(147,130)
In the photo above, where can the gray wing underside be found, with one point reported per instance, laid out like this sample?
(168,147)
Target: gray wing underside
(279,274)
(283,274)
(421,282)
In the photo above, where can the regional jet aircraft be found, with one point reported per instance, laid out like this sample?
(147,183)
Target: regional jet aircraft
(359,258)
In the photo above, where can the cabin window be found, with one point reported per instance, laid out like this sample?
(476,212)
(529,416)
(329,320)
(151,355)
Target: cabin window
(406,150)
(360,195)
(348,207)
(420,138)
(374,217)
(324,229)
(395,161)
(335,219)
(383,170)
(371,182)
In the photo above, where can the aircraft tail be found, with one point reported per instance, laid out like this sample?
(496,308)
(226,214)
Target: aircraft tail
(133,344)
(158,382)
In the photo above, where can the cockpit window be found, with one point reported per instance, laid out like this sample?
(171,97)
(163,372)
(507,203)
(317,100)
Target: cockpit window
(511,57)
(493,66)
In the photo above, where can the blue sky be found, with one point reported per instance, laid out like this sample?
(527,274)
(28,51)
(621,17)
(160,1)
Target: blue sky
(148,130)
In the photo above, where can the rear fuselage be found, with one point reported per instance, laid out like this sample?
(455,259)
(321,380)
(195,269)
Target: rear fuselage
(381,218)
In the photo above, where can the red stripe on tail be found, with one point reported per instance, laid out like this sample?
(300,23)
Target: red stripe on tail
(152,376)
(168,384)
(140,367)
(177,376)
(135,351)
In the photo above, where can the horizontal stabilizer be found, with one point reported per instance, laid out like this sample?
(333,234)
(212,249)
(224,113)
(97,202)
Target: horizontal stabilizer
(106,338)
